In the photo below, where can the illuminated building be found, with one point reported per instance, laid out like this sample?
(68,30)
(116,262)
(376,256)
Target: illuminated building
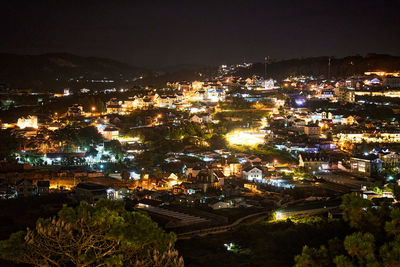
(369,164)
(269,84)
(383,73)
(253,173)
(113,106)
(110,133)
(348,121)
(75,111)
(345,95)
(369,137)
(327,94)
(28,122)
(389,159)
(196,85)
(313,162)
(312,130)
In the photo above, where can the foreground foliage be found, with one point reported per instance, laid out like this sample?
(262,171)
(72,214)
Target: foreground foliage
(375,241)
(102,235)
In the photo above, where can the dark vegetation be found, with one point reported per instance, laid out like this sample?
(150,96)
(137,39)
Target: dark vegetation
(316,66)
(260,243)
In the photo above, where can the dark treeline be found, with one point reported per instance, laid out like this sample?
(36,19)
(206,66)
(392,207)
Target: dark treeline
(317,66)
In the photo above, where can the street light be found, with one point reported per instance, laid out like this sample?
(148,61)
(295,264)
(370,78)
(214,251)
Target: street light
(93,109)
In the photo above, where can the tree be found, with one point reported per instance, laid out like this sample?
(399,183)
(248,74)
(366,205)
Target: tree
(218,141)
(312,257)
(390,253)
(343,261)
(115,148)
(10,144)
(393,227)
(92,152)
(358,212)
(102,235)
(395,189)
(125,175)
(362,247)
(88,136)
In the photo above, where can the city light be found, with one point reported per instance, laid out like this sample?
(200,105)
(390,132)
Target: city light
(249,138)
(279,215)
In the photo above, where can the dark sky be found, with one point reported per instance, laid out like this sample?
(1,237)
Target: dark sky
(162,33)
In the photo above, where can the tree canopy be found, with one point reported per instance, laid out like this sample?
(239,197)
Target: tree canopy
(376,241)
(105,234)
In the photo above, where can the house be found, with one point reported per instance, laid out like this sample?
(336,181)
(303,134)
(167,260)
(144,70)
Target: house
(350,120)
(90,192)
(24,188)
(110,133)
(231,169)
(327,94)
(114,106)
(164,101)
(312,130)
(254,159)
(220,176)
(389,159)
(368,165)
(7,191)
(313,162)
(193,172)
(195,119)
(253,173)
(208,179)
(114,109)
(75,111)
(206,117)
(43,188)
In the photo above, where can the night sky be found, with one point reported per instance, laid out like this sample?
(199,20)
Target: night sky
(163,33)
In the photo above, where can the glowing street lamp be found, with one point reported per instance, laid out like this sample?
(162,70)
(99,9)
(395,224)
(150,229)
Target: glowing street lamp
(93,109)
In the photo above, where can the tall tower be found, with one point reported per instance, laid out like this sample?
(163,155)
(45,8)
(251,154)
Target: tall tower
(329,69)
(265,67)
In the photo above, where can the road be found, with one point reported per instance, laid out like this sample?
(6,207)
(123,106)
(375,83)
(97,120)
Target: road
(220,229)
(311,208)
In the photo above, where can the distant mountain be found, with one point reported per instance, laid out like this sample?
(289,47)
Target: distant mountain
(55,71)
(318,66)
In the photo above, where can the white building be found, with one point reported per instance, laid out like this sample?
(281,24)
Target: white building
(28,122)
(253,173)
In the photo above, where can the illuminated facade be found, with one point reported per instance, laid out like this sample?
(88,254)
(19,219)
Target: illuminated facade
(368,165)
(369,137)
(28,122)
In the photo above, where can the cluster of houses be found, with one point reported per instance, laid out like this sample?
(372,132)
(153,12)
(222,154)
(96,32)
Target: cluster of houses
(24,188)
(179,100)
